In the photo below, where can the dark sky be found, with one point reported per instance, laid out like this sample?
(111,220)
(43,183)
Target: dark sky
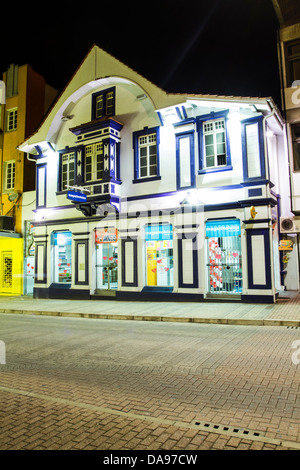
(217,47)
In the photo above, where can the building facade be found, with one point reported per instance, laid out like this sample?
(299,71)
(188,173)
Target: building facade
(141,194)
(25,97)
(288,13)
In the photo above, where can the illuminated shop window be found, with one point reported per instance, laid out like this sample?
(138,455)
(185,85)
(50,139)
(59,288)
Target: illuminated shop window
(224,256)
(106,242)
(62,245)
(159,255)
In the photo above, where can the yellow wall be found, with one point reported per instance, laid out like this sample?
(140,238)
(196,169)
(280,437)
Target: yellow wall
(11,266)
(10,143)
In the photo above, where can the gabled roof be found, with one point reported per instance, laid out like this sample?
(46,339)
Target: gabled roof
(100,68)
(96,68)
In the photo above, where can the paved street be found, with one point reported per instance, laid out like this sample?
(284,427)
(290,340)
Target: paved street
(76,383)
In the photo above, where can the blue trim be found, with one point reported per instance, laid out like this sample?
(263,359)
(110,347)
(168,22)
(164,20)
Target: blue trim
(184,135)
(38,168)
(244,124)
(265,232)
(184,122)
(94,126)
(104,93)
(135,274)
(135,146)
(199,123)
(185,236)
(146,180)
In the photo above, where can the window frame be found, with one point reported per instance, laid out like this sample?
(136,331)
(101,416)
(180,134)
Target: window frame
(201,121)
(94,154)
(146,132)
(295,146)
(104,94)
(14,113)
(258,121)
(290,59)
(7,188)
(62,153)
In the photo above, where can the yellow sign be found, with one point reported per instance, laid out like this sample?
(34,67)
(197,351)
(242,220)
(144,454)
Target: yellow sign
(285,245)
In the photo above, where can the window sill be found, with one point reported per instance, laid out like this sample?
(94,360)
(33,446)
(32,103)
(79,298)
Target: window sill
(146,180)
(215,169)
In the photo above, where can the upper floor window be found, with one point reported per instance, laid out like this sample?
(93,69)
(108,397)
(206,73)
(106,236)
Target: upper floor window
(292,62)
(103,103)
(11,119)
(214,143)
(94,162)
(214,148)
(67,170)
(295,128)
(9,175)
(146,154)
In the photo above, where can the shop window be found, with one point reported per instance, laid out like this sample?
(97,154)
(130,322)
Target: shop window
(224,257)
(62,245)
(106,241)
(159,255)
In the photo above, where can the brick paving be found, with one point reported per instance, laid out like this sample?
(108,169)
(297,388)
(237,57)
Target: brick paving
(112,385)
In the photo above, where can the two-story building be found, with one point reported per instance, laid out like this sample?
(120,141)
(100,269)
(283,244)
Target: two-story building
(142,194)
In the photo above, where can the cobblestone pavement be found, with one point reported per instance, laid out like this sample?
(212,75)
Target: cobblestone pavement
(91,384)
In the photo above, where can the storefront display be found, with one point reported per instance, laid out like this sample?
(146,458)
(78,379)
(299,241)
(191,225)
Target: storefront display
(224,256)
(62,243)
(159,255)
(106,259)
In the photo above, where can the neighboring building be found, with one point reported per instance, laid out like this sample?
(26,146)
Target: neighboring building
(142,194)
(288,13)
(27,97)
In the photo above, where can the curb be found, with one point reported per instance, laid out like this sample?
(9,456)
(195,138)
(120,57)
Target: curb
(103,316)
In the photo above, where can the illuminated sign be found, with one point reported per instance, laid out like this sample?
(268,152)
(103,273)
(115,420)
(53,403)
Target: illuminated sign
(106,235)
(76,196)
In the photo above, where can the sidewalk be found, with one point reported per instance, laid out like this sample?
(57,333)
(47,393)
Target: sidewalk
(286,311)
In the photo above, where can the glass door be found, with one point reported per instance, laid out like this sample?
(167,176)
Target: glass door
(106,266)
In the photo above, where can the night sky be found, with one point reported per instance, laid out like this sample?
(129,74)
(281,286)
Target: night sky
(226,47)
